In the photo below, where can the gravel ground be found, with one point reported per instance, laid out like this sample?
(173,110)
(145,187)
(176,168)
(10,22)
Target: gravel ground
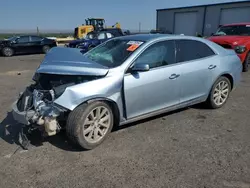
(190,148)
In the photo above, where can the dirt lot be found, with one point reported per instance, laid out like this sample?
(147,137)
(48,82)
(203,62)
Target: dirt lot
(194,147)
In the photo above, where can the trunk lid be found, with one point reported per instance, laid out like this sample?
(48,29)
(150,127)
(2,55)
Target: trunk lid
(70,61)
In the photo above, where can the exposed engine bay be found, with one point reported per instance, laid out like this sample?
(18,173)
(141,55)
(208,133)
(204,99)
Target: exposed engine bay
(37,101)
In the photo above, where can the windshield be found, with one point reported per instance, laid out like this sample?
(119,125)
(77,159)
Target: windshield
(234,30)
(12,38)
(113,52)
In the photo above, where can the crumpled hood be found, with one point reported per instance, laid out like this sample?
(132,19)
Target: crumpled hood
(70,61)
(233,40)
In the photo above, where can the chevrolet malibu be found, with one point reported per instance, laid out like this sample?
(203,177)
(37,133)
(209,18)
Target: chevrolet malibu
(124,80)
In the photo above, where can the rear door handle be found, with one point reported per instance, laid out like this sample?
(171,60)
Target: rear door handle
(212,66)
(173,76)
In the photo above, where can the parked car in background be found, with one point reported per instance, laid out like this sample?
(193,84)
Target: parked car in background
(123,80)
(26,44)
(99,38)
(235,37)
(94,38)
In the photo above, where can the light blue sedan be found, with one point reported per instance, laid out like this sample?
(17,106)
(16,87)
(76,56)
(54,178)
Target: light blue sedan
(124,80)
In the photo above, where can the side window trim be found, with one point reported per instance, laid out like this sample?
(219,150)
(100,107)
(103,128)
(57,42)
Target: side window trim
(127,72)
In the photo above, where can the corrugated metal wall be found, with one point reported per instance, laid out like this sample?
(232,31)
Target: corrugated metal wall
(202,19)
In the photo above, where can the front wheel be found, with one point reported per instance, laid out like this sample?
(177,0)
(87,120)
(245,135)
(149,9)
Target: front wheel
(89,124)
(7,51)
(219,93)
(246,63)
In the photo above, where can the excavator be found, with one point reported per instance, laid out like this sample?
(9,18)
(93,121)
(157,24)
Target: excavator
(92,24)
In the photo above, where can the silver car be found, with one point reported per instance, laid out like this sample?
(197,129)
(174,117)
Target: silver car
(124,80)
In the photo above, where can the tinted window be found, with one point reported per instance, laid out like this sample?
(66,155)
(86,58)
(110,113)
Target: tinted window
(159,54)
(23,39)
(35,38)
(188,50)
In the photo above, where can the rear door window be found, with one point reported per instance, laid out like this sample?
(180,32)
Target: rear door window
(188,50)
(35,39)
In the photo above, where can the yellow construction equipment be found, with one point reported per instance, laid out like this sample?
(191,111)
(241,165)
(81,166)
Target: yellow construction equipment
(91,24)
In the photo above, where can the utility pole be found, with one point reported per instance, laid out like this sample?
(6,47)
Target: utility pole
(37,30)
(139,27)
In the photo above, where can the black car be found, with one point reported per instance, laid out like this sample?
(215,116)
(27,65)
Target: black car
(26,44)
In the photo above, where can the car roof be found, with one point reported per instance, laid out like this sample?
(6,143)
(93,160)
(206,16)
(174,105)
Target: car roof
(143,37)
(152,37)
(28,36)
(235,24)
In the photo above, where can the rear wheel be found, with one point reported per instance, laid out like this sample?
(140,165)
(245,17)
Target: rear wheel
(7,51)
(220,92)
(246,63)
(89,125)
(46,48)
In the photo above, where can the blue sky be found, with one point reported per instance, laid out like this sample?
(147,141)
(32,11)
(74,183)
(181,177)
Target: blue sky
(65,14)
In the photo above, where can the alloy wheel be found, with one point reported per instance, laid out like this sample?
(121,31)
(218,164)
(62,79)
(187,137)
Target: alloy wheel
(8,51)
(96,124)
(221,93)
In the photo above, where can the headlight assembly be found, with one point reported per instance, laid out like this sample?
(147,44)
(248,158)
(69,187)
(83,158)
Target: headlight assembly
(240,49)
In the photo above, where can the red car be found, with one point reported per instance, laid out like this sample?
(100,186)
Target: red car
(237,37)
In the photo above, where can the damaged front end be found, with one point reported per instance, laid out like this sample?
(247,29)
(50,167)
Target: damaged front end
(35,107)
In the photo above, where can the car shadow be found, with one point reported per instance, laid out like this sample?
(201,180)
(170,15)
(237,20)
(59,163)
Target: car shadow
(118,128)
(200,106)
(10,129)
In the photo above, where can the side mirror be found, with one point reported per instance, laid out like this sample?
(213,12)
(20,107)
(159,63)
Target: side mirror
(212,34)
(140,67)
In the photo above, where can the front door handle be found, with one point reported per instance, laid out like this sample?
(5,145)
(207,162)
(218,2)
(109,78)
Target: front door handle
(173,76)
(212,66)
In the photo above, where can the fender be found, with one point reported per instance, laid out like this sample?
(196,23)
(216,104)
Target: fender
(107,88)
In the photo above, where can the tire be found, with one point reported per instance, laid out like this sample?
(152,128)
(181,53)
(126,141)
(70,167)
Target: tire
(80,119)
(46,48)
(7,51)
(246,63)
(220,93)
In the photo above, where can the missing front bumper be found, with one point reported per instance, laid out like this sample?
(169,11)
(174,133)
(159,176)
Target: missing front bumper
(22,117)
